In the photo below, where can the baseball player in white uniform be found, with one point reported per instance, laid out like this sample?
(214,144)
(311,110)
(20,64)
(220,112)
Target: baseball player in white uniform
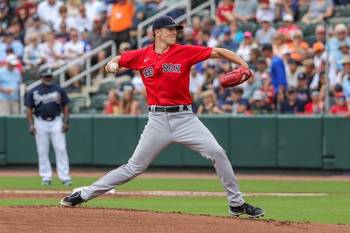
(45,104)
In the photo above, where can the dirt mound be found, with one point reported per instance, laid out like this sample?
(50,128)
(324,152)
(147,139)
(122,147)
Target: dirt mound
(86,220)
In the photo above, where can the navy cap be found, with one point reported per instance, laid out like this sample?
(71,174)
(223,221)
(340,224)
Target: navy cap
(166,22)
(46,72)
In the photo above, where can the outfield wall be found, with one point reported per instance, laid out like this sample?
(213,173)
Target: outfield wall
(281,141)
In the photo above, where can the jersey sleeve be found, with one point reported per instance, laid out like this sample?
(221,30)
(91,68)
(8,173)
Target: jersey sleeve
(195,54)
(28,99)
(131,59)
(64,97)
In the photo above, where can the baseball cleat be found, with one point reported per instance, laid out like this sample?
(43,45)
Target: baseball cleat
(251,211)
(67,183)
(46,183)
(72,200)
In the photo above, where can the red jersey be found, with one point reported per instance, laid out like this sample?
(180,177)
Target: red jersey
(166,76)
(336,109)
(222,10)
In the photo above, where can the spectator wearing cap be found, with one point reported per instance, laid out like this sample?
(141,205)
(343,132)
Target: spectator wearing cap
(277,69)
(316,105)
(341,35)
(291,104)
(292,72)
(227,42)
(266,33)
(344,50)
(36,25)
(224,12)
(236,105)
(309,70)
(302,89)
(340,107)
(297,46)
(258,104)
(246,46)
(320,56)
(318,11)
(121,20)
(10,80)
(288,26)
(245,10)
(9,42)
(48,10)
(265,12)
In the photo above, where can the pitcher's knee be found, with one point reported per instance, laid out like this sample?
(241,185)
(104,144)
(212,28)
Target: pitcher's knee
(216,153)
(134,169)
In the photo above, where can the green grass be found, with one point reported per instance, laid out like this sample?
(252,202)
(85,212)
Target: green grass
(333,208)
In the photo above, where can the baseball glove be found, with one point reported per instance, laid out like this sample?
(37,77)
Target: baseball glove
(235,77)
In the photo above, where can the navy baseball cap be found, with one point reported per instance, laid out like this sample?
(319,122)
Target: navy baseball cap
(166,22)
(46,72)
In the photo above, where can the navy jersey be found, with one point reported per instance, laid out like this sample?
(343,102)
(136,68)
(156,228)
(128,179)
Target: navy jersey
(47,101)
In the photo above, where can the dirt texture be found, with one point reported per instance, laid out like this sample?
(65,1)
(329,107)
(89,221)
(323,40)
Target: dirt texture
(86,220)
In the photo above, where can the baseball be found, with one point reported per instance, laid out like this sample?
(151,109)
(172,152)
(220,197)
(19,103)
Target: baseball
(113,67)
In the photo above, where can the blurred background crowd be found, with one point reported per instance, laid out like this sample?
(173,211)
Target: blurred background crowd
(299,62)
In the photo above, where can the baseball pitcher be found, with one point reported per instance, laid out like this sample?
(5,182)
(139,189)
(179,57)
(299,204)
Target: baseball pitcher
(165,68)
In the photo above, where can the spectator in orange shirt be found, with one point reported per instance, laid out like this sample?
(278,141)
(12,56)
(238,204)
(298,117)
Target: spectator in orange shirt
(120,21)
(340,107)
(298,47)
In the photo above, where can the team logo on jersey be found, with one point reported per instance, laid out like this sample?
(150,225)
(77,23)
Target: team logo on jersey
(148,72)
(171,68)
(46,98)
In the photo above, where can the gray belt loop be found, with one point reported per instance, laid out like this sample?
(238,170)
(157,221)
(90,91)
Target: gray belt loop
(181,108)
(189,107)
(153,108)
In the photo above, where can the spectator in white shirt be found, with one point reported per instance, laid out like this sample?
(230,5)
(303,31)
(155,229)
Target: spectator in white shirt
(82,22)
(48,10)
(63,18)
(73,49)
(266,33)
(94,8)
(52,51)
(36,26)
(32,56)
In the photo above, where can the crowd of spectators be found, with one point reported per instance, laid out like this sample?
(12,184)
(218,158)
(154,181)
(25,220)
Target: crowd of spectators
(284,42)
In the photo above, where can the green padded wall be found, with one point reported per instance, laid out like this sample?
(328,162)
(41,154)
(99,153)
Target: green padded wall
(114,139)
(299,141)
(79,140)
(2,134)
(219,127)
(253,141)
(336,143)
(170,156)
(20,144)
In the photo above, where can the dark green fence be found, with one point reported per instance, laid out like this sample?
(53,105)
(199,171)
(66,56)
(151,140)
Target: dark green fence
(251,142)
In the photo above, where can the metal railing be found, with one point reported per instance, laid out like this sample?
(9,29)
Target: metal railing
(186,16)
(86,59)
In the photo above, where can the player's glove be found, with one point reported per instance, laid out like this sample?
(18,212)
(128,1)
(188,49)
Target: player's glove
(235,77)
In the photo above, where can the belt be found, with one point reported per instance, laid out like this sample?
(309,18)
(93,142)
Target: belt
(178,108)
(47,118)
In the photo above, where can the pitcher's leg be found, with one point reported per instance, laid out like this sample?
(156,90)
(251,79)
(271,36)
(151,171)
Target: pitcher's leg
(154,138)
(197,137)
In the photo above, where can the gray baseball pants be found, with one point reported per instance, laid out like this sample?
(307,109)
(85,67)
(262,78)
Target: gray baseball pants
(161,130)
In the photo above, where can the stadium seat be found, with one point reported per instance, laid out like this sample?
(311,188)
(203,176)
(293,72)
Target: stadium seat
(97,102)
(105,87)
(78,103)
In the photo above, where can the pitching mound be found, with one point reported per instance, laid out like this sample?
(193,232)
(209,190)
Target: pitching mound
(85,220)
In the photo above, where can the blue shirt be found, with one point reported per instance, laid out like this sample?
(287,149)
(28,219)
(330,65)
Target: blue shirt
(10,79)
(47,101)
(278,73)
(16,46)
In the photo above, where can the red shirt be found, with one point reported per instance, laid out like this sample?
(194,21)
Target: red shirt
(224,9)
(336,109)
(166,76)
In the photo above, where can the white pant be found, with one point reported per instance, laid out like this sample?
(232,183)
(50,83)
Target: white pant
(46,130)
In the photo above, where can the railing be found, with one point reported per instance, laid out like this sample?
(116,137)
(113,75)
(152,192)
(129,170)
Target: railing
(61,72)
(187,16)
